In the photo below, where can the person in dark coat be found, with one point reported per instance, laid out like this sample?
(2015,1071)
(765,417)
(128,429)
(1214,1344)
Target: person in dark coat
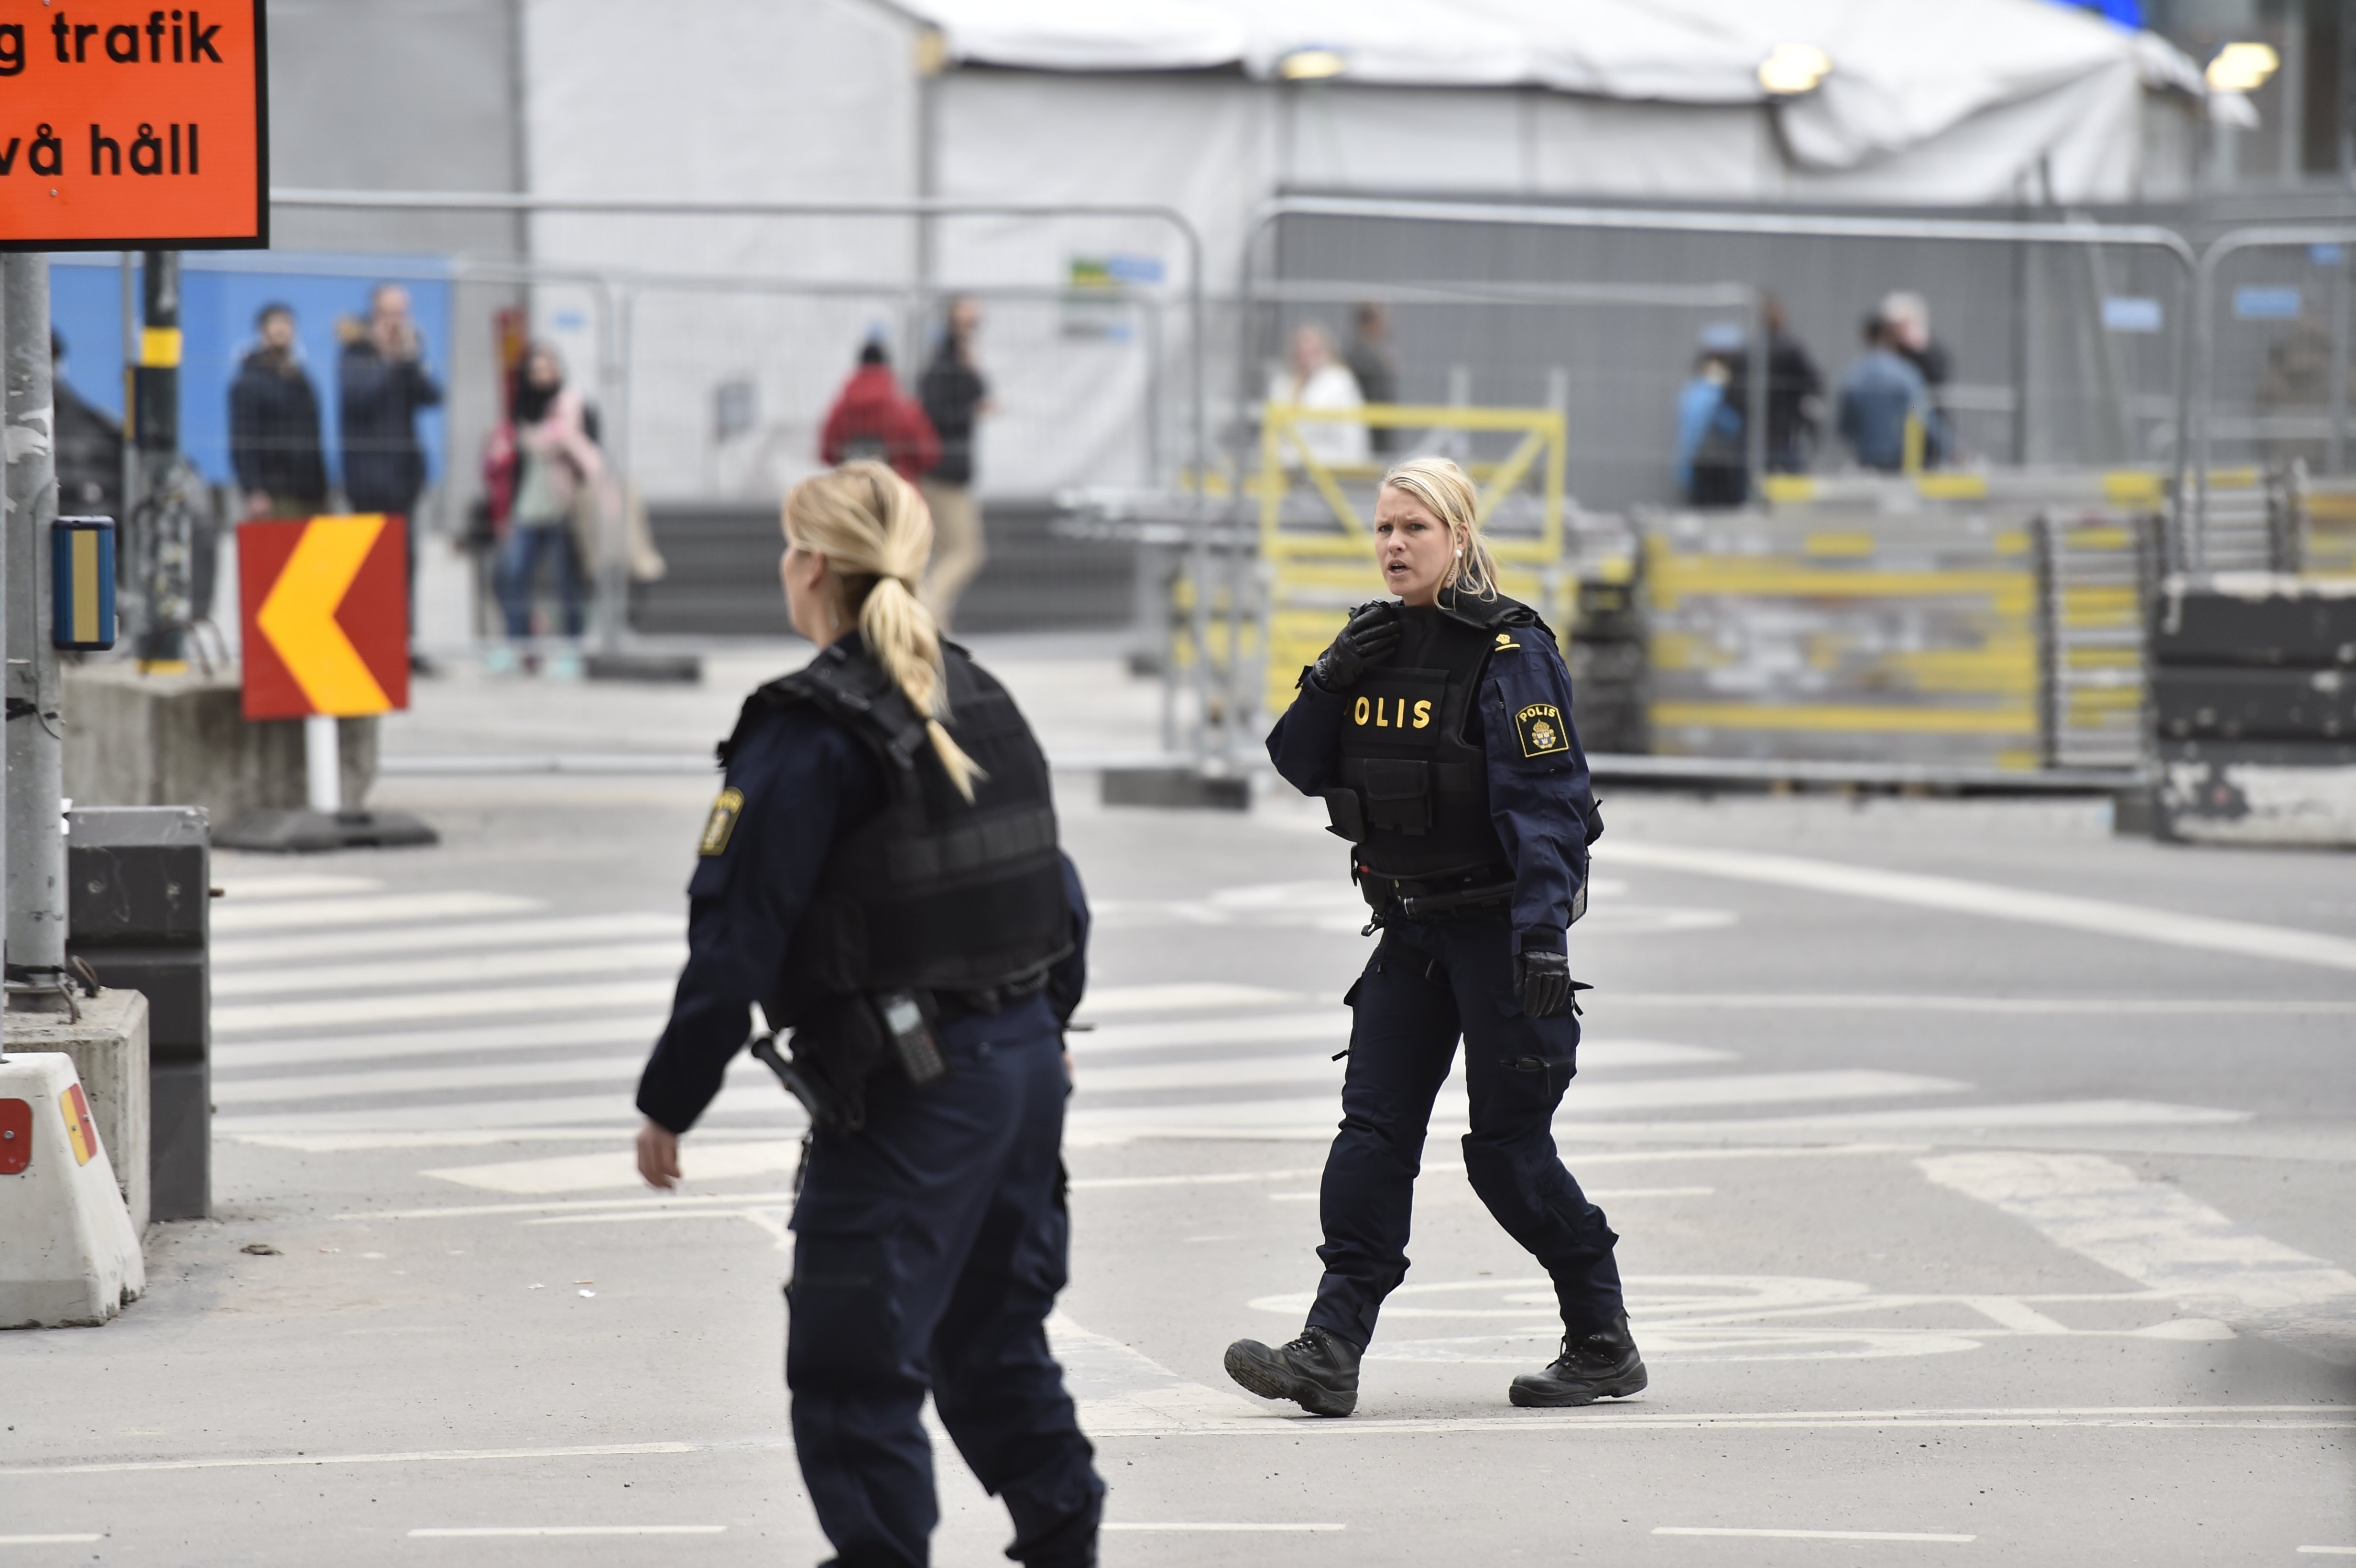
(381,383)
(1796,393)
(273,425)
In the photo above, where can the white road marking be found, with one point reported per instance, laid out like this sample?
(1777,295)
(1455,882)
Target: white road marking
(1730,1089)
(567,1034)
(2151,1232)
(281,1136)
(619,1168)
(584,997)
(609,959)
(2066,1007)
(1595,1420)
(49,1539)
(473,935)
(427,1080)
(571,1529)
(2039,1114)
(1816,1534)
(584,1111)
(299,915)
(1222,1071)
(2328,1551)
(1182,996)
(1109,1525)
(1955,895)
(315,1461)
(299,885)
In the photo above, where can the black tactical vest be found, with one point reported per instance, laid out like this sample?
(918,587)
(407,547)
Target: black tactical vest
(1415,794)
(931,892)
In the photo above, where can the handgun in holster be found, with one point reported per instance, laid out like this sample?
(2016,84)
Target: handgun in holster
(836,1053)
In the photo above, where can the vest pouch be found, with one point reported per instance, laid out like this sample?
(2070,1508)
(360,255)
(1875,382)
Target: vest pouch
(1398,795)
(1345,815)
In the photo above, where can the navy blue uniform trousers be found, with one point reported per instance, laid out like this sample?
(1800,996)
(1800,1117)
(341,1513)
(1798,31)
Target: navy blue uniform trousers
(928,1250)
(1427,983)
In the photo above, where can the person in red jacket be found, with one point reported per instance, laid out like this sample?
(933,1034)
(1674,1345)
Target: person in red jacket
(872,417)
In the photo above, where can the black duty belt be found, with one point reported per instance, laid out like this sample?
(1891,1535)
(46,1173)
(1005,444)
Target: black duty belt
(1416,898)
(990,999)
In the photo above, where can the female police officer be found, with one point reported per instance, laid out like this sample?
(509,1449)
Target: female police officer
(1438,728)
(888,885)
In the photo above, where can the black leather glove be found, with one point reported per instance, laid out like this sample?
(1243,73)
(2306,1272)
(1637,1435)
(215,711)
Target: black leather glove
(1372,636)
(1542,982)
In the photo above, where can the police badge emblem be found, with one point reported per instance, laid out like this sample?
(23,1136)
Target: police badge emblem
(1542,730)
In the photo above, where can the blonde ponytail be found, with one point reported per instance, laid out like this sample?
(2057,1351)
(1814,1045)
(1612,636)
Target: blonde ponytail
(1448,493)
(876,536)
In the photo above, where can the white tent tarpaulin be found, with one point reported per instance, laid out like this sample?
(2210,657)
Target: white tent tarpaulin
(1187,103)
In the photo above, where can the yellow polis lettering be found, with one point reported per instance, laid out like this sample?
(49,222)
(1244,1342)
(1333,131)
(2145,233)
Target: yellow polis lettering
(1358,714)
(1380,722)
(1422,715)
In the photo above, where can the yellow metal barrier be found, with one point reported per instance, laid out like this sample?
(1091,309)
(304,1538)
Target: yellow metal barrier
(1310,576)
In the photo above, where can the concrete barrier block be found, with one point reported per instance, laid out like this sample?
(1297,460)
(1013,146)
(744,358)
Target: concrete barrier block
(108,1042)
(184,740)
(68,1256)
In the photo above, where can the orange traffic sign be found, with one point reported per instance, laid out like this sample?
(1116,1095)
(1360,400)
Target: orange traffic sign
(324,604)
(128,124)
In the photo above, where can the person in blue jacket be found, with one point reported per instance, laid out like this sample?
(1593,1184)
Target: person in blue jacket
(1438,728)
(882,874)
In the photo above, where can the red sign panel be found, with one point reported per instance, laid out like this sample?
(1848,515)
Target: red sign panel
(324,604)
(15,1136)
(125,123)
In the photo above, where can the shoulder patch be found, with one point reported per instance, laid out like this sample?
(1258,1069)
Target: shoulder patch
(1542,730)
(721,822)
(1505,640)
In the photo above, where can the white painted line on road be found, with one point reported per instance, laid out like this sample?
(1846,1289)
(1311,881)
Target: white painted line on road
(587,998)
(1221,1072)
(1183,996)
(1816,1534)
(609,959)
(695,1201)
(2151,1232)
(568,1529)
(586,1111)
(299,885)
(391,909)
(2068,1006)
(49,1539)
(416,1456)
(237,953)
(1265,1529)
(1209,1179)
(426,1080)
(619,1168)
(1955,895)
(448,1137)
(2328,1551)
(632,1028)
(1948,1118)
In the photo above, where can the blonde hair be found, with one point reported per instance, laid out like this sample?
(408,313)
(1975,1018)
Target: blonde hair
(1447,492)
(877,535)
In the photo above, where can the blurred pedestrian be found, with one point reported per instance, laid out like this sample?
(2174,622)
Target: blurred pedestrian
(954,396)
(1316,380)
(872,418)
(1882,395)
(274,424)
(1909,315)
(381,382)
(88,447)
(1374,363)
(880,874)
(556,460)
(1795,391)
(1710,464)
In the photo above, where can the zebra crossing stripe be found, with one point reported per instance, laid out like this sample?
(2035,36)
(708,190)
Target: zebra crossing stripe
(613,958)
(263,1015)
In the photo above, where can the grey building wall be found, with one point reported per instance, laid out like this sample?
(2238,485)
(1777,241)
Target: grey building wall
(407,95)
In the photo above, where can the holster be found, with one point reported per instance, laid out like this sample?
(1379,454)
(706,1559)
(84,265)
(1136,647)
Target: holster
(837,1053)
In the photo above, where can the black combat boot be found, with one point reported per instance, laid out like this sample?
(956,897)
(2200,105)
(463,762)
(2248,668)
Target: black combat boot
(1318,1371)
(1600,1363)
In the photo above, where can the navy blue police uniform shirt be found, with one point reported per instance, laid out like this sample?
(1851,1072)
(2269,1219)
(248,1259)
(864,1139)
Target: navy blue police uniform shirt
(1540,797)
(797,781)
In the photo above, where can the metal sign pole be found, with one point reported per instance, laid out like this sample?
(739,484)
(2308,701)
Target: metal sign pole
(35,817)
(323,763)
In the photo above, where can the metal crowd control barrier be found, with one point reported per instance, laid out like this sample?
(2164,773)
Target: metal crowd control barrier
(612,587)
(1317,562)
(1958,623)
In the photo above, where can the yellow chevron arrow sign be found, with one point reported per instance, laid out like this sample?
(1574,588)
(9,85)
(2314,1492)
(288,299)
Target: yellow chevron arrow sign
(299,617)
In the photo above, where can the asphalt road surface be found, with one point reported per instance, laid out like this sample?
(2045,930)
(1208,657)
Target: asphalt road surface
(1986,1182)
